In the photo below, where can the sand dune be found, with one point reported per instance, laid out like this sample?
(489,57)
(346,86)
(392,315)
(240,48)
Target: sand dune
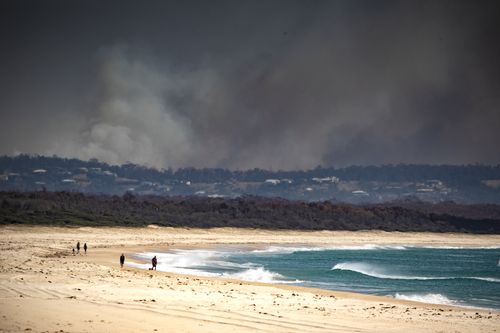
(44,288)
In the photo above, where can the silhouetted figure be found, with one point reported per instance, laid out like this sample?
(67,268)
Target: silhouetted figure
(154,261)
(85,247)
(78,247)
(122,260)
(73,251)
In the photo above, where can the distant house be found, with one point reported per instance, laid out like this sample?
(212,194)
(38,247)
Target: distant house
(331,179)
(123,180)
(272,181)
(39,171)
(360,193)
(215,196)
(109,173)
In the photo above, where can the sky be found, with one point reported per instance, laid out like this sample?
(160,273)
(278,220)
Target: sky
(251,84)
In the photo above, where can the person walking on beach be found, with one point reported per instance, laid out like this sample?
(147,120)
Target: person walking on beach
(122,260)
(85,247)
(78,247)
(154,261)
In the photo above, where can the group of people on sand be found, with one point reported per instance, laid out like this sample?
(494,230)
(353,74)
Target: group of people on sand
(78,248)
(154,262)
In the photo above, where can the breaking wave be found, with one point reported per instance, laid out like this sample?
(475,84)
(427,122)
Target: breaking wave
(447,247)
(292,249)
(377,272)
(259,274)
(364,247)
(426,298)
(196,262)
(489,279)
(380,273)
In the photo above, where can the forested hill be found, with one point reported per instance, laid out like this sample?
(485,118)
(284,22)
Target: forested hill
(355,184)
(76,209)
(452,174)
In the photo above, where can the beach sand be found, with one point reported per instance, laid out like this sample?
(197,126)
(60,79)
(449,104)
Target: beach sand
(44,288)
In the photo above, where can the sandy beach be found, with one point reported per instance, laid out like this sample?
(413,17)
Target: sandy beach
(44,288)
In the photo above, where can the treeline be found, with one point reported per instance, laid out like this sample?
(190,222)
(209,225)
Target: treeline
(76,209)
(471,211)
(455,175)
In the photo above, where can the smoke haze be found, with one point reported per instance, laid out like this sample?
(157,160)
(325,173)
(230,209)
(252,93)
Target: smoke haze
(281,85)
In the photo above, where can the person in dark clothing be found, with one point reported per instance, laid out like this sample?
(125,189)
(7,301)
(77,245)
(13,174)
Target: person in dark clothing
(78,247)
(122,260)
(154,261)
(85,247)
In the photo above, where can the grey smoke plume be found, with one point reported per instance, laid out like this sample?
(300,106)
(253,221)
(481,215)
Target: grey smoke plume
(133,119)
(333,83)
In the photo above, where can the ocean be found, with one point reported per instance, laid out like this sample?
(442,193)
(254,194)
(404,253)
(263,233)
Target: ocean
(468,277)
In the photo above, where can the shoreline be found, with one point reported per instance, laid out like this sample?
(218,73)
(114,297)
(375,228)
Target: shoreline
(40,276)
(292,284)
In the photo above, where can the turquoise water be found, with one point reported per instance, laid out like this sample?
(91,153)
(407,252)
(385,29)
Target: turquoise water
(454,276)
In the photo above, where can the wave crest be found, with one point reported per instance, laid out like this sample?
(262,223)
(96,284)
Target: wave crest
(258,274)
(377,272)
(292,249)
(380,273)
(426,298)
(365,247)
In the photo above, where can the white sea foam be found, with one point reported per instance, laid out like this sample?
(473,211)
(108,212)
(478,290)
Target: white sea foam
(258,274)
(179,270)
(438,299)
(194,262)
(426,298)
(191,262)
(179,258)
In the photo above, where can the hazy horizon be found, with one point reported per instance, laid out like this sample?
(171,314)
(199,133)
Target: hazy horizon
(279,85)
(90,160)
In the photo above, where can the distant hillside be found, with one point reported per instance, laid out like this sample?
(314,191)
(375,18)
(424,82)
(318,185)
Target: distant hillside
(76,209)
(475,211)
(356,184)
